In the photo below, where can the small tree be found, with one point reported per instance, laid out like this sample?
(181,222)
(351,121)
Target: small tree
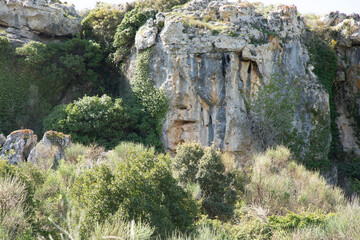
(194,164)
(186,162)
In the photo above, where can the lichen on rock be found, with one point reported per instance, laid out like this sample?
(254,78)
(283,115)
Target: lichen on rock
(53,142)
(18,146)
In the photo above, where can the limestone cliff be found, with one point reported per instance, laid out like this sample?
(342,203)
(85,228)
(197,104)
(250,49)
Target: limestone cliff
(26,20)
(343,31)
(215,60)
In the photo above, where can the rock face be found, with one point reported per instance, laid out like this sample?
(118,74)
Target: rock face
(18,145)
(26,20)
(52,145)
(344,31)
(212,69)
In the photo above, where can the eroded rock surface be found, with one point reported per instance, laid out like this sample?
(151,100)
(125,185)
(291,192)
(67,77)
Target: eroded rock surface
(344,33)
(18,145)
(27,20)
(211,69)
(52,145)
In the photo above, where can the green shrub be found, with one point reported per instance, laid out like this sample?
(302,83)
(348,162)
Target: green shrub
(36,76)
(342,225)
(196,165)
(256,225)
(101,24)
(218,197)
(100,120)
(126,31)
(106,122)
(186,162)
(57,66)
(137,184)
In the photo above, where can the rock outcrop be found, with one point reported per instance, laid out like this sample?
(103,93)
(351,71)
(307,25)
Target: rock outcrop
(213,59)
(18,145)
(31,19)
(344,33)
(2,140)
(52,145)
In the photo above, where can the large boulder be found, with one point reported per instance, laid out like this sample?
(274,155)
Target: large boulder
(51,147)
(18,145)
(146,36)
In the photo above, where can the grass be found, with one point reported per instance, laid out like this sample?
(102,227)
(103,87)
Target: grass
(279,184)
(190,21)
(344,225)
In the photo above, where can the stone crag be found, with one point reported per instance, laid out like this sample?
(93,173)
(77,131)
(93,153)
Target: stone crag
(213,58)
(343,32)
(22,21)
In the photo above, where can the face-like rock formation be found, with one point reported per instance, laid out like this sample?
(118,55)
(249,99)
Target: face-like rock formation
(213,60)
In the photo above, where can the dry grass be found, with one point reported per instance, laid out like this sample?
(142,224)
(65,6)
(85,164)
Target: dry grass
(78,152)
(45,156)
(280,184)
(313,21)
(228,159)
(12,215)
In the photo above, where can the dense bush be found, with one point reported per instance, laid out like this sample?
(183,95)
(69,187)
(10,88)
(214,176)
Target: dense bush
(218,197)
(186,161)
(37,76)
(106,121)
(101,23)
(100,120)
(137,184)
(193,164)
(58,66)
(126,31)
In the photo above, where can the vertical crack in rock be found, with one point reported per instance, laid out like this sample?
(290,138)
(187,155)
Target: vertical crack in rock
(210,129)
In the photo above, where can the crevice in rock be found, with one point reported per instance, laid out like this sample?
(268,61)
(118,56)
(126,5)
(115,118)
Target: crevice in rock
(211,131)
(225,60)
(248,81)
(183,122)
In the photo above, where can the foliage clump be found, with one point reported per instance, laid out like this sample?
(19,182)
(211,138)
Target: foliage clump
(138,185)
(106,122)
(100,120)
(101,23)
(196,165)
(125,33)
(36,76)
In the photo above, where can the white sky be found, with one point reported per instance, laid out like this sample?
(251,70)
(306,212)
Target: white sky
(304,6)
